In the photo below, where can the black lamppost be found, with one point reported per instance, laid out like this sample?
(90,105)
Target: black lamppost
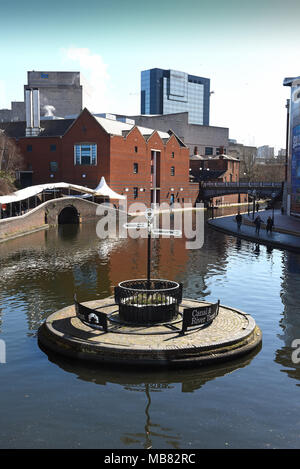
(273,197)
(249,193)
(287,138)
(254,200)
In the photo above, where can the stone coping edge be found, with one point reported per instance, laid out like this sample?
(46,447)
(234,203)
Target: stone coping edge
(269,242)
(78,348)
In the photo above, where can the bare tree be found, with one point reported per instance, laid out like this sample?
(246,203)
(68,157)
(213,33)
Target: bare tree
(271,172)
(10,156)
(249,167)
(11,161)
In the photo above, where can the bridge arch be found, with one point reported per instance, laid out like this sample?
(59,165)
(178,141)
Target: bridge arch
(68,215)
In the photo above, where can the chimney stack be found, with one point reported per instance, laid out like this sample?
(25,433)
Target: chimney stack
(32,103)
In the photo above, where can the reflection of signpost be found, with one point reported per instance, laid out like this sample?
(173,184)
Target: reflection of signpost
(149,214)
(159,231)
(137,226)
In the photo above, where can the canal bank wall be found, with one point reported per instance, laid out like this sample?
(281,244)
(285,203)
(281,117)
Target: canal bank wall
(285,234)
(46,215)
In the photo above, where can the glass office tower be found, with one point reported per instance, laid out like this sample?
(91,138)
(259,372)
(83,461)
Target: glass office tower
(170,91)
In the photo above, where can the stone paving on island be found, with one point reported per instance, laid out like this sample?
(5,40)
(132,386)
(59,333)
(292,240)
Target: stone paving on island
(230,326)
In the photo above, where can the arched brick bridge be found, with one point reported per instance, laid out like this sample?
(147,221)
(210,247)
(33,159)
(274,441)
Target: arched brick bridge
(48,214)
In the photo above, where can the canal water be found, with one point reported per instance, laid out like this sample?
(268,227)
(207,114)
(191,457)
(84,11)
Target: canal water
(47,401)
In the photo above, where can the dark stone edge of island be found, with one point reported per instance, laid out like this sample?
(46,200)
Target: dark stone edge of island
(76,348)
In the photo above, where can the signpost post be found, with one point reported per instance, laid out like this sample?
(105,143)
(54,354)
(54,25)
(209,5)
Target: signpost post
(149,214)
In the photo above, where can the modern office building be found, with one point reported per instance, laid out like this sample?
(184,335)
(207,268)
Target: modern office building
(171,91)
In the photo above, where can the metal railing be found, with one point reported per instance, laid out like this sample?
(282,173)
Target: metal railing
(141,301)
(242,184)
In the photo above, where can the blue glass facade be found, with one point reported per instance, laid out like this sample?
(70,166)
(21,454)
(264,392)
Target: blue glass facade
(294,145)
(170,91)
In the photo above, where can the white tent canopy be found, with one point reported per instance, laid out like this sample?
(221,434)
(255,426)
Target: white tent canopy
(104,190)
(101,190)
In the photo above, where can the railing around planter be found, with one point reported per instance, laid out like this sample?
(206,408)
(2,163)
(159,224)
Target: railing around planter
(142,301)
(90,316)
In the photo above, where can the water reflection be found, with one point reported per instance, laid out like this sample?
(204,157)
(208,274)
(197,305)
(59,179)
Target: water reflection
(39,274)
(290,320)
(148,382)
(68,232)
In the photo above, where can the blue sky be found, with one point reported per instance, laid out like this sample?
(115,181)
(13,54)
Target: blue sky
(245,48)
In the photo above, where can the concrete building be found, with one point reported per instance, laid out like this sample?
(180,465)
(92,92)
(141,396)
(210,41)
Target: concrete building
(169,91)
(202,139)
(60,94)
(265,152)
(16,113)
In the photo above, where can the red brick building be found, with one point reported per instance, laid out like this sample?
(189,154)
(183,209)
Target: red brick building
(145,165)
(219,168)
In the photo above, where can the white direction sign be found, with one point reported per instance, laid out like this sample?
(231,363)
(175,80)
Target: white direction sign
(149,214)
(160,231)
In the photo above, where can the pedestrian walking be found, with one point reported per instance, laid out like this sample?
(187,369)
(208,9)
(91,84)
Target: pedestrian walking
(257,223)
(269,225)
(239,220)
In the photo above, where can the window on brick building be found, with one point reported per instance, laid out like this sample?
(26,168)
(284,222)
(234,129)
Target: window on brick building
(135,149)
(135,168)
(52,147)
(29,148)
(172,154)
(53,166)
(172,170)
(85,154)
(135,192)
(208,151)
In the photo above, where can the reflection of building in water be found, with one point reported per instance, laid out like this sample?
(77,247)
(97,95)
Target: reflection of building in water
(290,321)
(203,263)
(47,268)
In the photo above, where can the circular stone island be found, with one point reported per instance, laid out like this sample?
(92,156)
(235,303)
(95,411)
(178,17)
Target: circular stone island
(195,333)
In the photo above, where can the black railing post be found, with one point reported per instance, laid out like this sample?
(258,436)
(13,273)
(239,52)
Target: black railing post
(149,260)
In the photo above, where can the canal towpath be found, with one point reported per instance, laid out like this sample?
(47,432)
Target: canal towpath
(285,233)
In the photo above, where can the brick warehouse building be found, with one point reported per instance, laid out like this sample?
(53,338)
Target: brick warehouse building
(218,168)
(144,164)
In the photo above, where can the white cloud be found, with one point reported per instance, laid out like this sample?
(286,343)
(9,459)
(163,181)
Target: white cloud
(94,77)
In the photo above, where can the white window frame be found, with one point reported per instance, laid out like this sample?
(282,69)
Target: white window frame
(90,144)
